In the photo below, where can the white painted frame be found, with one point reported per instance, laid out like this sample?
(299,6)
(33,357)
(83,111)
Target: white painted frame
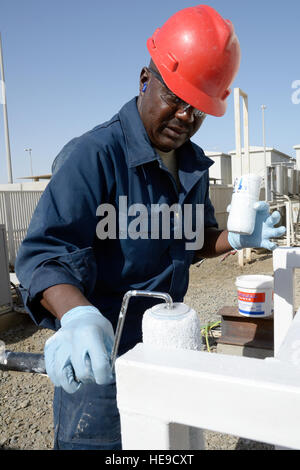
(164,396)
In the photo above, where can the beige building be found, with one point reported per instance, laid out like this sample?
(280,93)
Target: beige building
(220,172)
(257,160)
(227,167)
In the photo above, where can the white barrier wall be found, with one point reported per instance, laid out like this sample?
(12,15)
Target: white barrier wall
(163,395)
(28,186)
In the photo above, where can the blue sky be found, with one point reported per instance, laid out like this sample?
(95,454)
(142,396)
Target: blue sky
(72,64)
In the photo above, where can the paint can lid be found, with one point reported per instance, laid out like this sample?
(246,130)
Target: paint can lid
(255,281)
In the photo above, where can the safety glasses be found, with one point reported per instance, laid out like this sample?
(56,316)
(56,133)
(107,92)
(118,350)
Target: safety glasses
(172,100)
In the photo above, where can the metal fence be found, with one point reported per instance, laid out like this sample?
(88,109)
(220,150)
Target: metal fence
(16,209)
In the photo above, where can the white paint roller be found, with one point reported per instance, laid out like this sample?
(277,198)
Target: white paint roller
(177,327)
(166,326)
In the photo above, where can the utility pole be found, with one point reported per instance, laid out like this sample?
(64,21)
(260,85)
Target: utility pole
(7,143)
(263,107)
(29,151)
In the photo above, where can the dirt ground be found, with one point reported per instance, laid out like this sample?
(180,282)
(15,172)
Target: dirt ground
(26,399)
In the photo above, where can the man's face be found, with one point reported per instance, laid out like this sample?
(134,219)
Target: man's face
(168,127)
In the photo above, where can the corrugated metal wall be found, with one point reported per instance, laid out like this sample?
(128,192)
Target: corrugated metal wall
(16,209)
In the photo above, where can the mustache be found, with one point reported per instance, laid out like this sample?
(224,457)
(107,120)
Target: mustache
(177,125)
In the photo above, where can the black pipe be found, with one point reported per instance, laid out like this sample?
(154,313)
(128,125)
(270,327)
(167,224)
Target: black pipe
(23,362)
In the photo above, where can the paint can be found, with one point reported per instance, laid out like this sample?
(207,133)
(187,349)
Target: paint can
(242,211)
(255,295)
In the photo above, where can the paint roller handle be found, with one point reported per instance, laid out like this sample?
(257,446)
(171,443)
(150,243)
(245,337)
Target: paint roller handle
(20,361)
(30,362)
(133,293)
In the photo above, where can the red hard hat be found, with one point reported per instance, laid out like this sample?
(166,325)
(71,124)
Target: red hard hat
(198,55)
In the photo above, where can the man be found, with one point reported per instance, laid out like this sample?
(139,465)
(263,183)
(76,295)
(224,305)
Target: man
(74,278)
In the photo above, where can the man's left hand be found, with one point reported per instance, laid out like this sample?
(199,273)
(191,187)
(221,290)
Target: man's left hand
(264,230)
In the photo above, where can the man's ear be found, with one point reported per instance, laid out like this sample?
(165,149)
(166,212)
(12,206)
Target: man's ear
(144,79)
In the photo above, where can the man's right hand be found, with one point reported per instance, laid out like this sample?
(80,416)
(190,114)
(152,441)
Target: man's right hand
(79,351)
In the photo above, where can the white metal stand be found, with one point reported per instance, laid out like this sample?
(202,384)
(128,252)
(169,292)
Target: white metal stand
(238,93)
(252,398)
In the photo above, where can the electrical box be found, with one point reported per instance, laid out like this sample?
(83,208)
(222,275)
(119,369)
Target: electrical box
(5,290)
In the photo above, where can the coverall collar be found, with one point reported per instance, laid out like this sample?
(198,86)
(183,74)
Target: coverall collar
(139,148)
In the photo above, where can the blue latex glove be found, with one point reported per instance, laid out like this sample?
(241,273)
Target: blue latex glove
(264,230)
(79,351)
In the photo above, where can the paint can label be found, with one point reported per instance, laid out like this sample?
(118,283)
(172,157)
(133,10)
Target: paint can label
(252,302)
(241,186)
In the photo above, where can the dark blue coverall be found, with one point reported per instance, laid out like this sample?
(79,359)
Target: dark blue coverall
(61,247)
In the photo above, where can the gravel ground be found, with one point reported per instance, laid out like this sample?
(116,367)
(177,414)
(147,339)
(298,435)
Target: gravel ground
(26,399)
